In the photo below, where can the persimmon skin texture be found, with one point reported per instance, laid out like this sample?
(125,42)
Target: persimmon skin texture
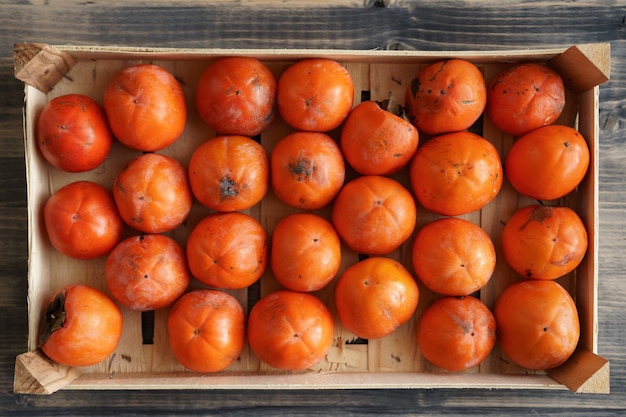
(543,242)
(206,330)
(375,296)
(374,214)
(306,252)
(229,173)
(73,133)
(290,330)
(538,324)
(446,96)
(547,163)
(315,94)
(453,256)
(237,96)
(146,107)
(375,141)
(456,173)
(91,330)
(147,272)
(82,220)
(456,333)
(525,97)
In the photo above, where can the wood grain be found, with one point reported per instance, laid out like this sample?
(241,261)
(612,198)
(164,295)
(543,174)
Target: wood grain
(424,25)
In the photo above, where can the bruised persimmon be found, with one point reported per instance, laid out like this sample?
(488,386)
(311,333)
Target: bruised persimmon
(543,242)
(374,214)
(228,173)
(538,324)
(375,296)
(453,256)
(456,333)
(456,173)
(307,170)
(525,97)
(446,96)
(547,163)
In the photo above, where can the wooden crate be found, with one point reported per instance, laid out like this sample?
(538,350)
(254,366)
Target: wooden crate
(390,362)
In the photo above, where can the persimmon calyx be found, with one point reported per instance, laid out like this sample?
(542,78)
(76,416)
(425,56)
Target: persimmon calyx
(54,317)
(391,105)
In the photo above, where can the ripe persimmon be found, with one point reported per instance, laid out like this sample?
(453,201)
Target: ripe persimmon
(315,94)
(82,220)
(73,133)
(375,296)
(147,272)
(538,324)
(456,173)
(543,242)
(236,95)
(307,170)
(453,256)
(228,173)
(548,162)
(146,107)
(525,97)
(446,96)
(81,326)
(374,214)
(456,333)
(206,330)
(305,253)
(290,330)
(377,141)
(227,250)
(152,193)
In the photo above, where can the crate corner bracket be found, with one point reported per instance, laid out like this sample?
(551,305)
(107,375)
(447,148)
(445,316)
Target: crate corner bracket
(36,374)
(40,65)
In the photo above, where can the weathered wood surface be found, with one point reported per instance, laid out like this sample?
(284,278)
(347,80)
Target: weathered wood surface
(424,25)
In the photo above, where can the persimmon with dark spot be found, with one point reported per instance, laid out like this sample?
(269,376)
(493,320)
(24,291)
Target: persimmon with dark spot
(228,173)
(307,169)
